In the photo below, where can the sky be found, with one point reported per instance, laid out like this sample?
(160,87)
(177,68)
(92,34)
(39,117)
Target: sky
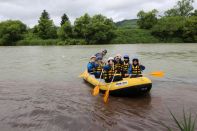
(29,11)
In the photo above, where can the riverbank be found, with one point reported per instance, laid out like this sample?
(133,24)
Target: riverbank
(123,36)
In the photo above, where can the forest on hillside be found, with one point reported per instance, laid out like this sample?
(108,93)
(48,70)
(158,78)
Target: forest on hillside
(176,25)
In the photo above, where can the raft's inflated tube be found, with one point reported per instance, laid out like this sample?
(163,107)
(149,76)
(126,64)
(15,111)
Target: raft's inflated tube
(125,87)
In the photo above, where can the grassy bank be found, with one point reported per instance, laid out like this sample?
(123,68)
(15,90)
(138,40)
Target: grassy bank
(129,35)
(35,42)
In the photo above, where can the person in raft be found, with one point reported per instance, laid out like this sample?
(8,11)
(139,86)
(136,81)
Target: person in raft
(118,64)
(126,66)
(101,54)
(136,69)
(92,65)
(99,67)
(108,71)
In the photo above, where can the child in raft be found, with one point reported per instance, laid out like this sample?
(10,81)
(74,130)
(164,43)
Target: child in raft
(136,68)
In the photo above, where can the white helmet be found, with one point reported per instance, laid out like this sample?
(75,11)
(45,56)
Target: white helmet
(110,58)
(93,56)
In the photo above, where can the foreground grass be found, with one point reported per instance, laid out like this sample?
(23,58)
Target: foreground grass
(187,124)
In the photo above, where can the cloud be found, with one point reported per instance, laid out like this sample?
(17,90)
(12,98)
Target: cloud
(29,10)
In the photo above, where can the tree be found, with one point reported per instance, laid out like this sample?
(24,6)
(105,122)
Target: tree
(45,15)
(182,8)
(146,20)
(65,31)
(11,31)
(81,26)
(172,12)
(190,30)
(194,13)
(46,28)
(101,29)
(169,27)
(64,19)
(96,29)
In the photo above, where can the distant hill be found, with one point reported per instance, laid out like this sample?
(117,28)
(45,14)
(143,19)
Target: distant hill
(132,23)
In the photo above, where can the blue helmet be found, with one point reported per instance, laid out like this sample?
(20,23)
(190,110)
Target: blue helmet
(126,57)
(135,59)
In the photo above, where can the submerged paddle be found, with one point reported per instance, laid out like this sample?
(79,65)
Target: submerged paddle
(96,88)
(106,95)
(157,74)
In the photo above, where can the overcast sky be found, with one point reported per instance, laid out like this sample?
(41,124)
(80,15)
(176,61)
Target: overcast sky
(29,10)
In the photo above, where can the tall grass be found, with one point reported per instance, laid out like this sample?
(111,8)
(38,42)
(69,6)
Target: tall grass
(187,124)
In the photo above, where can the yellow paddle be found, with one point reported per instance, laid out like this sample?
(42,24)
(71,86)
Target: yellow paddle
(157,74)
(81,75)
(106,95)
(96,88)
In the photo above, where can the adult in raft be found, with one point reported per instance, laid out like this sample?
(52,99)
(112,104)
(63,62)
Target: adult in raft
(126,66)
(136,68)
(99,64)
(118,64)
(101,54)
(92,65)
(109,72)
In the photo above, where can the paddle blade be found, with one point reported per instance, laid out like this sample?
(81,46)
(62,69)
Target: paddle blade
(106,95)
(95,91)
(157,74)
(80,76)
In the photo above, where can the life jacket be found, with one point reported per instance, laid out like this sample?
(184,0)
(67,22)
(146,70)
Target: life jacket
(107,74)
(99,68)
(126,67)
(136,70)
(118,67)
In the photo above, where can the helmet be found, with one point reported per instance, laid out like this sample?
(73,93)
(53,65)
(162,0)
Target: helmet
(93,56)
(126,57)
(105,51)
(110,58)
(135,59)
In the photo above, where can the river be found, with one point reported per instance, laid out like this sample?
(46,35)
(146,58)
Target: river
(40,89)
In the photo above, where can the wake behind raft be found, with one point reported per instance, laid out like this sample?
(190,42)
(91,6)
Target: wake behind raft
(126,87)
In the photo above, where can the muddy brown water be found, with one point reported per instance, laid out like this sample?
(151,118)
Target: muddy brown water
(40,89)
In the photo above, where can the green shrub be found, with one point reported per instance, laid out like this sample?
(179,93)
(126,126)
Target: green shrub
(37,42)
(126,36)
(72,42)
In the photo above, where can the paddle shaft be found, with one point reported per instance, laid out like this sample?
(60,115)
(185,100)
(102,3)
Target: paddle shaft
(111,81)
(100,77)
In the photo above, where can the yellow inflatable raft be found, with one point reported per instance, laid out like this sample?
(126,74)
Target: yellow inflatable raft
(125,87)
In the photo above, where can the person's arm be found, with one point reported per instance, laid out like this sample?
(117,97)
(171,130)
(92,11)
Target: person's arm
(130,69)
(142,67)
(90,68)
